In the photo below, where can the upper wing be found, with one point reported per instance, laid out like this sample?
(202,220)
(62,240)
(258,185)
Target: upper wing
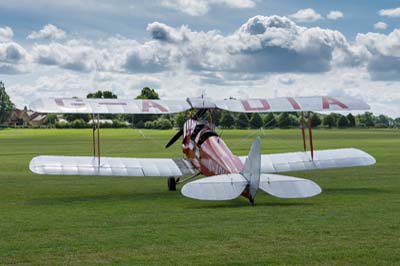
(108,106)
(81,165)
(299,161)
(296,104)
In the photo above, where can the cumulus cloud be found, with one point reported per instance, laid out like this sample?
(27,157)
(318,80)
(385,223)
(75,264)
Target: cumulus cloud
(384,54)
(13,58)
(73,55)
(393,12)
(162,32)
(263,44)
(334,15)
(306,15)
(6,34)
(149,57)
(201,7)
(380,25)
(49,31)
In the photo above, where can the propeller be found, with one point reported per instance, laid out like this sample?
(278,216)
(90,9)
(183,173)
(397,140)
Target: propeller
(179,134)
(175,138)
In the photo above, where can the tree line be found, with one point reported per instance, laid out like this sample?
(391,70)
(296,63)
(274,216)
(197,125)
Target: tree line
(222,119)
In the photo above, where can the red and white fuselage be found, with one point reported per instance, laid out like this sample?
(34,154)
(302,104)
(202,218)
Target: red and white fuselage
(207,151)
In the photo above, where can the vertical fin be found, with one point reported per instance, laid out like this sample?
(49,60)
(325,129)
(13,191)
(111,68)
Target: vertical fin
(252,168)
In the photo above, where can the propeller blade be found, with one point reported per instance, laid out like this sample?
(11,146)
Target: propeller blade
(175,138)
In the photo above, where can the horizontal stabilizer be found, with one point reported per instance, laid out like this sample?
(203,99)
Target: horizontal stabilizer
(288,187)
(219,187)
(110,166)
(323,159)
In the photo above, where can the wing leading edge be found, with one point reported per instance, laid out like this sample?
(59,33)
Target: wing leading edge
(110,166)
(108,106)
(121,106)
(323,159)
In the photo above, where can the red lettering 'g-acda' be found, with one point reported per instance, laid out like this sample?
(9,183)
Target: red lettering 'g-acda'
(264,105)
(327,101)
(147,104)
(293,103)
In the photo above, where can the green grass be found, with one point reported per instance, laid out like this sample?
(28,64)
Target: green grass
(70,220)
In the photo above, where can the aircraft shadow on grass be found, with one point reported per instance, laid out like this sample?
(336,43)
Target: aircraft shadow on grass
(245,204)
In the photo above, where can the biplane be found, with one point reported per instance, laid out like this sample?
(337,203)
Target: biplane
(228,176)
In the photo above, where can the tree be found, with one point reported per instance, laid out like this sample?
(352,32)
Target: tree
(256,121)
(270,121)
(180,119)
(162,123)
(352,120)
(6,106)
(343,122)
(366,120)
(227,120)
(242,121)
(315,120)
(284,120)
(148,93)
(293,120)
(145,94)
(51,119)
(384,121)
(73,117)
(329,121)
(397,122)
(102,95)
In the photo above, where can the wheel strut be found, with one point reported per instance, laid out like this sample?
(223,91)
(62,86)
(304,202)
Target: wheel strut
(171,183)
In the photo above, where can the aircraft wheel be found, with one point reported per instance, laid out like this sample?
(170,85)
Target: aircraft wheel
(171,183)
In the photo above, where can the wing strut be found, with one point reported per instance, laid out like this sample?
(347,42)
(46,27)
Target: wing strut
(309,125)
(310,135)
(94,136)
(96,127)
(98,137)
(303,132)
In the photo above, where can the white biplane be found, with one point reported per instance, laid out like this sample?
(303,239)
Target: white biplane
(228,175)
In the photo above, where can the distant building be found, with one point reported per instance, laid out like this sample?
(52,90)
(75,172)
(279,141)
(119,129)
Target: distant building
(25,117)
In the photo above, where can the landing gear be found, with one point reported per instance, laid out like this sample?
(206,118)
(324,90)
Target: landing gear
(171,183)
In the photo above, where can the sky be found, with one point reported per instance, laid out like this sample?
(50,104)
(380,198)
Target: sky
(219,48)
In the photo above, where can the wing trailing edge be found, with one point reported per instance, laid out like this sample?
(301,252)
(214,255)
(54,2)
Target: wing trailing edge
(110,166)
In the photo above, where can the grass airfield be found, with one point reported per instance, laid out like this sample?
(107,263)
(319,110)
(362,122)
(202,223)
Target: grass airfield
(71,220)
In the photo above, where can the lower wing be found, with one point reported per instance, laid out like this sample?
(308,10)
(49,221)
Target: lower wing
(323,159)
(80,165)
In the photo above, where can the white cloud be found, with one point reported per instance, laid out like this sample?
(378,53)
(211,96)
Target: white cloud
(261,45)
(380,25)
(334,15)
(201,7)
(265,52)
(6,34)
(384,54)
(14,59)
(306,15)
(394,12)
(49,31)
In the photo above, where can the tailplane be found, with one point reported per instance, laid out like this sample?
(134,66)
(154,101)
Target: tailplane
(247,183)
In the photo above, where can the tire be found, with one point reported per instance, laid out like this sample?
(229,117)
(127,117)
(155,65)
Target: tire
(171,183)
